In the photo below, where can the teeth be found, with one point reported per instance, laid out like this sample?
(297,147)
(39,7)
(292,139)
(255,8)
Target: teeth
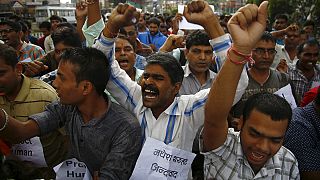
(150,97)
(149,91)
(257,155)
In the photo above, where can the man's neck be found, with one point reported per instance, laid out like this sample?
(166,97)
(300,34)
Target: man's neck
(261,76)
(12,96)
(292,51)
(201,76)
(18,46)
(158,110)
(132,73)
(93,107)
(308,73)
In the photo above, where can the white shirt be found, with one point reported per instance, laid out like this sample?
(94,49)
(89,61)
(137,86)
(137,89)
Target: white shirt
(283,54)
(180,121)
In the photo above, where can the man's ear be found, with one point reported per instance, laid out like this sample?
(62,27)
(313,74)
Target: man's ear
(87,87)
(177,87)
(19,68)
(186,51)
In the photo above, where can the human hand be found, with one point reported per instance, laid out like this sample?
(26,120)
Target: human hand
(247,25)
(199,12)
(173,42)
(33,68)
(81,10)
(292,27)
(282,66)
(123,15)
(175,23)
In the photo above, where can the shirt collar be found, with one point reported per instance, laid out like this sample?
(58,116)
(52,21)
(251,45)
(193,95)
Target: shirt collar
(25,89)
(187,72)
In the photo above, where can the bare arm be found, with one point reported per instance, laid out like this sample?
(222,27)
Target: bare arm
(94,14)
(246,27)
(81,15)
(17,131)
(172,42)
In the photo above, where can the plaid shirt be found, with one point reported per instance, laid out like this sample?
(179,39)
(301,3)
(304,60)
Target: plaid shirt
(31,51)
(300,83)
(229,162)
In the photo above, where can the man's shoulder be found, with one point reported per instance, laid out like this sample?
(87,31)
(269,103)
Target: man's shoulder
(119,114)
(286,156)
(41,87)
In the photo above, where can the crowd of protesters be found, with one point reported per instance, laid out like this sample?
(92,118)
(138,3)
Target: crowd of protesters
(98,89)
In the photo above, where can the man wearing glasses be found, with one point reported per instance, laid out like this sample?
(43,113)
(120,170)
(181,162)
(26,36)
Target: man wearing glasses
(261,77)
(11,35)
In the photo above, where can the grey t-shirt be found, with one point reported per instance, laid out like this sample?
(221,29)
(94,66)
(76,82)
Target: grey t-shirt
(275,81)
(110,145)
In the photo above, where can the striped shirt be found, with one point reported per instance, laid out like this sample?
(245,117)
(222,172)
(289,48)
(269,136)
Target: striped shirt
(31,51)
(178,124)
(229,162)
(32,98)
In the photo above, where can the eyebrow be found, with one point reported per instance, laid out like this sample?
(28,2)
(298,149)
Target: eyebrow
(263,135)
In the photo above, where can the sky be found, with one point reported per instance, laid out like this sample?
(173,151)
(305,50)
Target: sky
(64,1)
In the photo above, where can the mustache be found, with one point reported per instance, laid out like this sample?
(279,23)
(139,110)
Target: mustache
(151,88)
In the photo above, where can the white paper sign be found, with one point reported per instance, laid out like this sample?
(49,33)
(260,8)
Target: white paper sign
(160,161)
(27,60)
(315,84)
(184,24)
(29,151)
(286,93)
(72,169)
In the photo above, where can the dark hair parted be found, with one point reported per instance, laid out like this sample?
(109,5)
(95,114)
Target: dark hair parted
(169,64)
(89,64)
(198,37)
(9,55)
(270,104)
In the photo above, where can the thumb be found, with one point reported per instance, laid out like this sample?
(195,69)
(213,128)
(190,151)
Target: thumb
(263,12)
(186,13)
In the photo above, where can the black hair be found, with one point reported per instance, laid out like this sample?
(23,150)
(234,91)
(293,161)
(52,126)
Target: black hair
(270,104)
(282,16)
(198,37)
(169,64)
(267,36)
(312,42)
(120,36)
(55,17)
(16,26)
(9,55)
(309,23)
(67,35)
(24,26)
(154,20)
(89,64)
(45,24)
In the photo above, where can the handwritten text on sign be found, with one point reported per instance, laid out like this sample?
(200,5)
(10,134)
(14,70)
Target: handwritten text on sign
(72,169)
(160,161)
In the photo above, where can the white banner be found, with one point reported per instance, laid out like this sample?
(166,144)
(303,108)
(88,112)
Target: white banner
(29,151)
(160,161)
(72,169)
(286,93)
